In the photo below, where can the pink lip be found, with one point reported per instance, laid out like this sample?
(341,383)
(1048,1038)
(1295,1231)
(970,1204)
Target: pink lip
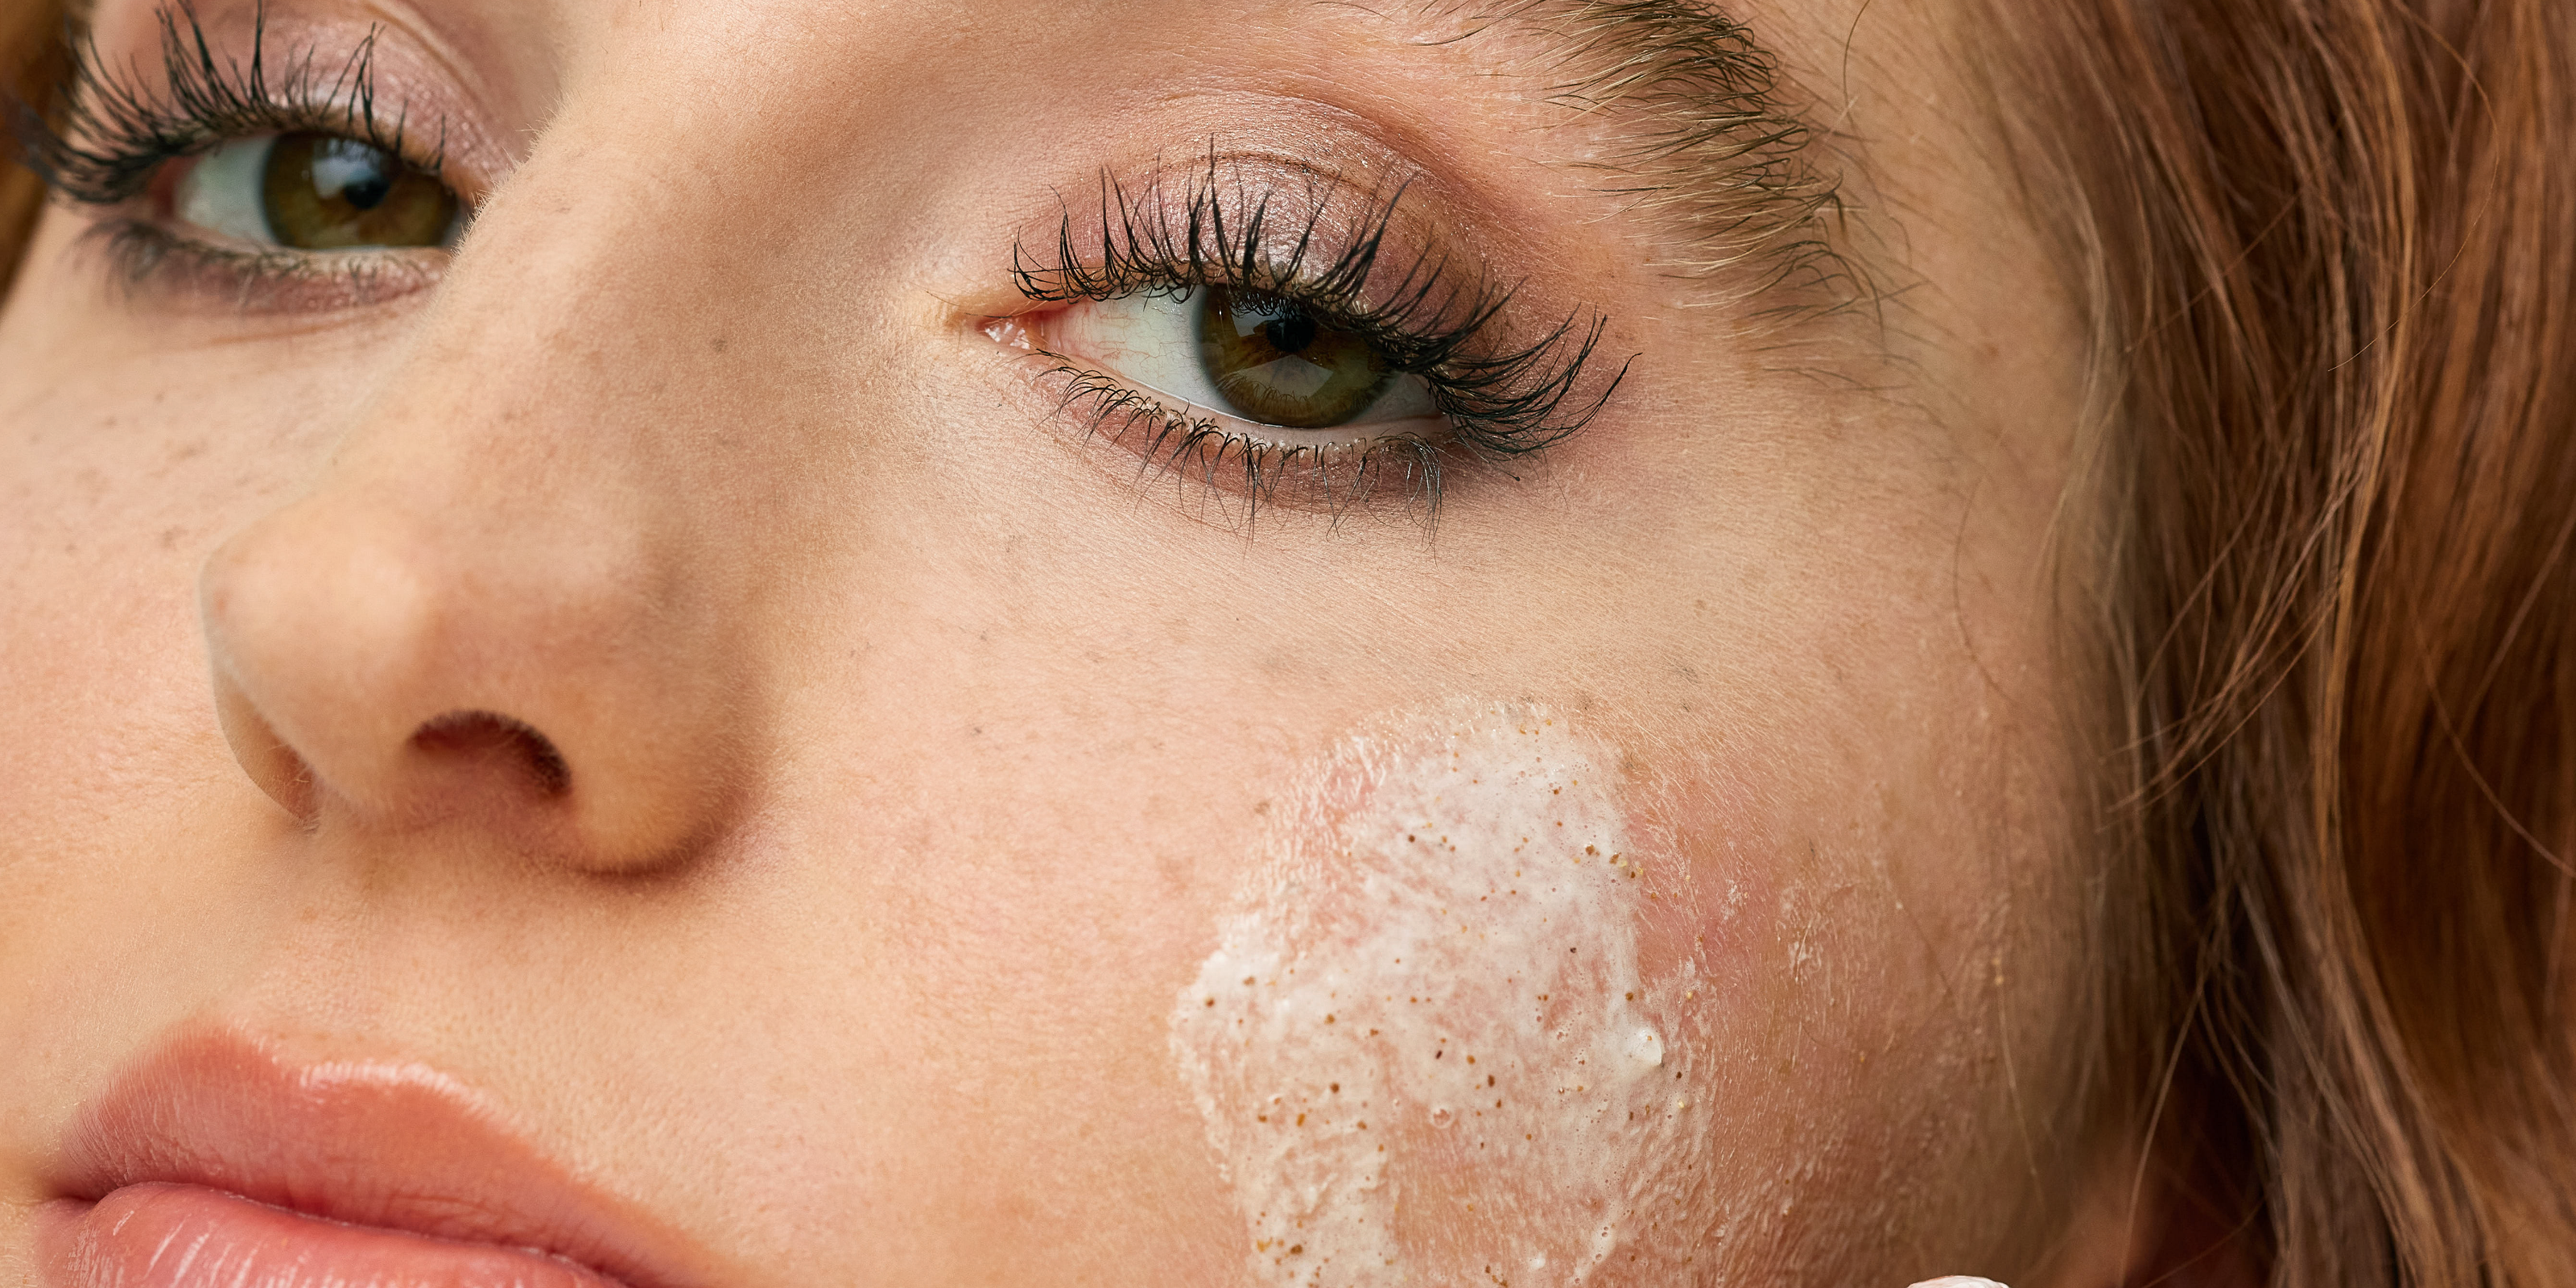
(219,1160)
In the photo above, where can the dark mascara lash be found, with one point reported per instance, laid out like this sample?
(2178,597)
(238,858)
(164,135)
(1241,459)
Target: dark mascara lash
(113,135)
(1502,400)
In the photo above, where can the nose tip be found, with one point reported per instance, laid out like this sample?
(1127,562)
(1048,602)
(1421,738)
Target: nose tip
(318,634)
(394,673)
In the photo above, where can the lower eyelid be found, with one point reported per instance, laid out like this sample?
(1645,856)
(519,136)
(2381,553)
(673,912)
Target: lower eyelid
(1340,437)
(1413,416)
(177,271)
(1264,466)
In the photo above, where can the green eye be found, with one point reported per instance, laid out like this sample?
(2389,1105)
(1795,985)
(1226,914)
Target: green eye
(319,192)
(1276,364)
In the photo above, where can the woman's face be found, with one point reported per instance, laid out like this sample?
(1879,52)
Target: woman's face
(741,717)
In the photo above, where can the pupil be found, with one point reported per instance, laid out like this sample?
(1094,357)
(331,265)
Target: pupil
(350,171)
(366,194)
(1290,334)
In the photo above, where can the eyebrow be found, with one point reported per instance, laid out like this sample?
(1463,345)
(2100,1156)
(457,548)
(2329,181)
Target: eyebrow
(1708,142)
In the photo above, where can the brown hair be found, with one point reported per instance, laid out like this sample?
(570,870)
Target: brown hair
(2329,248)
(27,70)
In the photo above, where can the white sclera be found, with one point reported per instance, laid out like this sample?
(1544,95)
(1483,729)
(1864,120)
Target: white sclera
(1426,1047)
(225,191)
(1152,339)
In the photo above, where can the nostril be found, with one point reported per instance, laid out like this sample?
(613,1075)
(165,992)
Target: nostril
(492,737)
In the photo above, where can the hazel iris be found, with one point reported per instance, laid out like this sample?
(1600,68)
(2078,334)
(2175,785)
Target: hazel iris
(1281,366)
(329,192)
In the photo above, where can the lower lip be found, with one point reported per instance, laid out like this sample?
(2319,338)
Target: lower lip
(167,1236)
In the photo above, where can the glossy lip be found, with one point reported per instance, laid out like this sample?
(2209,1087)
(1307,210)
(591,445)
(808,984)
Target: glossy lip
(389,1144)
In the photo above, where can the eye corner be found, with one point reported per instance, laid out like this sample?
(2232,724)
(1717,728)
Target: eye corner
(1014,331)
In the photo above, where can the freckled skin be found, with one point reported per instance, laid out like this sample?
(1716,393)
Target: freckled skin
(917,756)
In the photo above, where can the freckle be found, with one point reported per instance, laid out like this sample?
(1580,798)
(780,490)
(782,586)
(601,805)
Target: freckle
(1337,1086)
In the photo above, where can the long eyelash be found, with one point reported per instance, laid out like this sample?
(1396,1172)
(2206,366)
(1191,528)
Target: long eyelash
(115,135)
(1501,400)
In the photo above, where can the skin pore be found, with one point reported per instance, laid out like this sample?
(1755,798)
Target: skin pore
(681,668)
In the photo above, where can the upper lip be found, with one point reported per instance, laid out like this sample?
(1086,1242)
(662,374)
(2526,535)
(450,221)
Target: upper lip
(384,1143)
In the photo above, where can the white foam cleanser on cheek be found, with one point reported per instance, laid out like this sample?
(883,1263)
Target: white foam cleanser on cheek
(1424,1048)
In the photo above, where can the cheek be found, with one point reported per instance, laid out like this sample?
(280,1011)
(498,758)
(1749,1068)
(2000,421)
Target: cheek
(1459,1029)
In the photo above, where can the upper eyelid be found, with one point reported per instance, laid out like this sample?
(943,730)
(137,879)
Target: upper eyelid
(1227,232)
(1136,225)
(110,134)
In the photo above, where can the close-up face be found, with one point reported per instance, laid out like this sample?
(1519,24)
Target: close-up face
(761,642)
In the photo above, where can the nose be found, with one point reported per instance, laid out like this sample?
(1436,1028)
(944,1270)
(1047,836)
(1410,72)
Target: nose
(500,610)
(524,666)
